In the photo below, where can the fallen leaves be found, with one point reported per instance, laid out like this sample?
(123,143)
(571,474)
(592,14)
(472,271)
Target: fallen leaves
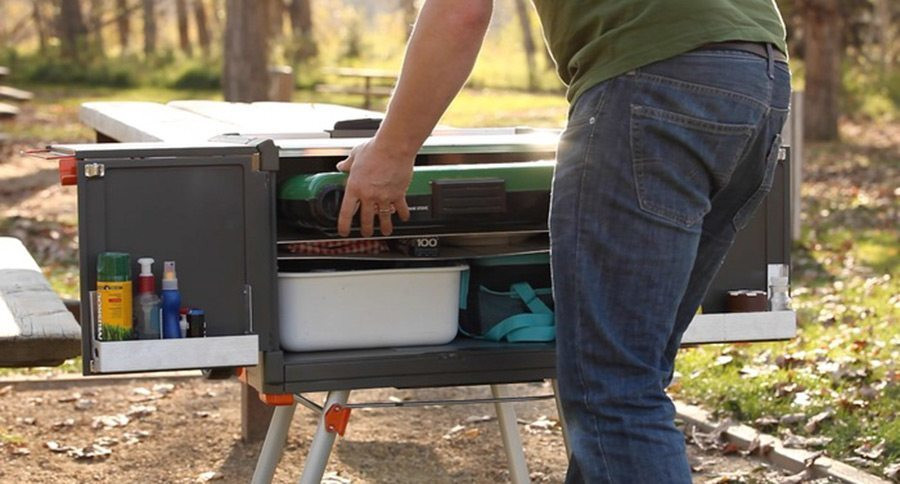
(131,438)
(109,421)
(84,404)
(140,411)
(26,421)
(92,451)
(69,422)
(812,425)
(453,431)
(791,440)
(872,450)
(19,450)
(163,388)
(210,476)
(892,471)
(334,478)
(543,424)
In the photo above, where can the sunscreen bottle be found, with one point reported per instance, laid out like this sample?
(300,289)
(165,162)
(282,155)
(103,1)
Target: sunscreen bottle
(114,298)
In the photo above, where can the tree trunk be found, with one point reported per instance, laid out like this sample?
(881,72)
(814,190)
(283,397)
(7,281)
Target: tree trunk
(302,27)
(39,25)
(96,25)
(202,26)
(246,77)
(149,27)
(123,25)
(527,44)
(823,47)
(72,31)
(184,38)
(276,18)
(410,14)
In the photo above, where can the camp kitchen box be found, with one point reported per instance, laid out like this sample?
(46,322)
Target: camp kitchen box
(214,208)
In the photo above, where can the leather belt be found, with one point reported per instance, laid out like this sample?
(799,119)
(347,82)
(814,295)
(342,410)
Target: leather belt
(756,48)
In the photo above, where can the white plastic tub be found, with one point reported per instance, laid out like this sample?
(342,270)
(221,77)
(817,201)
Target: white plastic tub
(368,309)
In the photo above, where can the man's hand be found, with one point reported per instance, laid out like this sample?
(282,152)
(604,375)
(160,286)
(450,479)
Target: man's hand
(439,58)
(376,187)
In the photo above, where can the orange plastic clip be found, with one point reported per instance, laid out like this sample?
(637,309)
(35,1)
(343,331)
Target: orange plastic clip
(277,399)
(68,171)
(241,373)
(336,418)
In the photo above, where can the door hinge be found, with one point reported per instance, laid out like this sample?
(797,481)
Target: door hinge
(94,170)
(782,153)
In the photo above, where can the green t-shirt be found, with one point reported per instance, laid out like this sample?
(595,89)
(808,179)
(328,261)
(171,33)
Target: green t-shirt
(594,40)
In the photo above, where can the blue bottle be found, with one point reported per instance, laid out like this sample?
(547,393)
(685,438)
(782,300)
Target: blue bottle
(171,302)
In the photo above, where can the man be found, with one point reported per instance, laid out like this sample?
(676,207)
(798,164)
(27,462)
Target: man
(671,143)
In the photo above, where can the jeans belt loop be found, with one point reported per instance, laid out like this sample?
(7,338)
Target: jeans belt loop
(771,58)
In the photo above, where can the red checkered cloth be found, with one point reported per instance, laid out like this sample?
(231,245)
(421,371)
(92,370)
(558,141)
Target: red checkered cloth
(339,247)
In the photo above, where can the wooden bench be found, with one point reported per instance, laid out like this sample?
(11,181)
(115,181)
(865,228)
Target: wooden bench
(8,111)
(14,94)
(36,329)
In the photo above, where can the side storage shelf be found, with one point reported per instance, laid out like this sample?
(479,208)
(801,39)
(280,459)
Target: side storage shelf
(174,354)
(210,209)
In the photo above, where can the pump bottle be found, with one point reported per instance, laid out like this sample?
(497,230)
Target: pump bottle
(171,302)
(147,309)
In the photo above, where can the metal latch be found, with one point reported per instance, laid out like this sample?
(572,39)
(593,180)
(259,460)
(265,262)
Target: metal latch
(94,170)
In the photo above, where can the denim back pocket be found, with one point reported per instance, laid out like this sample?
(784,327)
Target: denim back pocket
(680,161)
(742,217)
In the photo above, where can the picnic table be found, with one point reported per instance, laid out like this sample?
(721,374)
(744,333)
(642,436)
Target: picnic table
(8,111)
(369,88)
(36,329)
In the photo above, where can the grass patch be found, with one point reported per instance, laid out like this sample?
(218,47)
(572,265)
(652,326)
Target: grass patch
(847,296)
(11,438)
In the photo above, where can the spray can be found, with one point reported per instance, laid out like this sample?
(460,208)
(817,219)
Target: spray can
(171,302)
(114,296)
(148,320)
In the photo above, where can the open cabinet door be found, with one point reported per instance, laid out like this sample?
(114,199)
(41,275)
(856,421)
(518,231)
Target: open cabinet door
(211,210)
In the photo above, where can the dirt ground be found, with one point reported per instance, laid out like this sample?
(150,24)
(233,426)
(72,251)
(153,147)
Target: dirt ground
(188,430)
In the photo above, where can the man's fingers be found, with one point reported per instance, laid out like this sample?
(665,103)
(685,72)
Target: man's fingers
(346,164)
(366,219)
(402,209)
(386,224)
(348,209)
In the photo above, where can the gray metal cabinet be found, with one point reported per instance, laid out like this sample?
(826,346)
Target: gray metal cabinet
(211,207)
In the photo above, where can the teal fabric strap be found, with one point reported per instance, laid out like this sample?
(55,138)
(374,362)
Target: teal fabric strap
(523,327)
(536,326)
(534,303)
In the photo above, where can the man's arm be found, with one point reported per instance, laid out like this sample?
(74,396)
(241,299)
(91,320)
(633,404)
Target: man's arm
(439,58)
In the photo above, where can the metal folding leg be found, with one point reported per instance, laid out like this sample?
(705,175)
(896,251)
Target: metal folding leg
(562,418)
(512,441)
(322,442)
(273,446)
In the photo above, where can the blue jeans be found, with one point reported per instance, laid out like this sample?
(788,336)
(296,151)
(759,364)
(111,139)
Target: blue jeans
(656,172)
